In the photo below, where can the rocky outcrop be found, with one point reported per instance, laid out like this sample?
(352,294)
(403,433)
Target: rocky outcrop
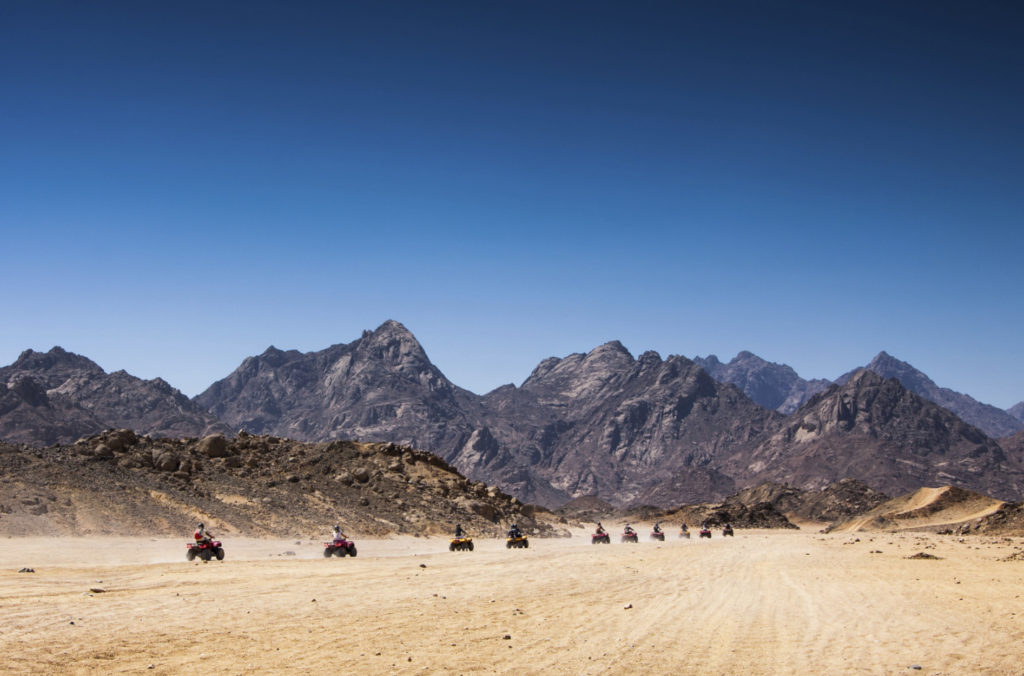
(58,396)
(117,483)
(991,420)
(774,386)
(879,432)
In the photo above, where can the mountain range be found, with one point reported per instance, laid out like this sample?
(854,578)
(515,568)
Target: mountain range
(629,430)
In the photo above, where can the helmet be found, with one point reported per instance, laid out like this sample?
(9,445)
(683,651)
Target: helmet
(336,527)
(200,526)
(515,526)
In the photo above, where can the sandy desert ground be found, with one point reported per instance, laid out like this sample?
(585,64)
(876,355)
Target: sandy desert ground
(765,602)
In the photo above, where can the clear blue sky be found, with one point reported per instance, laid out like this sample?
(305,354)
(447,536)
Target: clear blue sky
(183,184)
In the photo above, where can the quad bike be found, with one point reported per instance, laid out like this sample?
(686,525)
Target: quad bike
(658,535)
(205,550)
(603,538)
(459,544)
(518,542)
(705,533)
(630,537)
(339,548)
(684,534)
(727,531)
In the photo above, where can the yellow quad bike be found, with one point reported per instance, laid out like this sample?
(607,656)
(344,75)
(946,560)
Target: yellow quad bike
(459,544)
(517,542)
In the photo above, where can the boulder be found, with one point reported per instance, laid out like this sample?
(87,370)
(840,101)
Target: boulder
(214,446)
(165,461)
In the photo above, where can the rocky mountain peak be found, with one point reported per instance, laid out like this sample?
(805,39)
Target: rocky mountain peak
(53,367)
(993,421)
(392,343)
(774,386)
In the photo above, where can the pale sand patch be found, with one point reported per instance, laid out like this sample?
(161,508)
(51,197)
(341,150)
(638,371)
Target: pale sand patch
(765,602)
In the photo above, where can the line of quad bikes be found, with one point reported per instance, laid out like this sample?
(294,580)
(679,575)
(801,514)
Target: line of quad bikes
(659,535)
(213,549)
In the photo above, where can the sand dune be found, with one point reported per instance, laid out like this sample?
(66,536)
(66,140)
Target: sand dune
(766,602)
(924,508)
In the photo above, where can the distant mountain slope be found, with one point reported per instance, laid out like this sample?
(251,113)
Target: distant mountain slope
(28,415)
(992,421)
(876,430)
(64,395)
(774,386)
(1017,411)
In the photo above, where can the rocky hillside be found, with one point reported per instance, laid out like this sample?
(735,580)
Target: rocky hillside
(774,386)
(1017,411)
(252,485)
(992,421)
(879,432)
(58,396)
(839,500)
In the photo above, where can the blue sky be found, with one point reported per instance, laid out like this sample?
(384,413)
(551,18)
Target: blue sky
(184,184)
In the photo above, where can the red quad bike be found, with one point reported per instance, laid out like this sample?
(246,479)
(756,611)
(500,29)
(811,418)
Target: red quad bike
(658,535)
(603,538)
(630,537)
(205,550)
(705,533)
(728,531)
(339,548)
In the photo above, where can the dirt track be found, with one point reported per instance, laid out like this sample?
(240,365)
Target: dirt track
(764,602)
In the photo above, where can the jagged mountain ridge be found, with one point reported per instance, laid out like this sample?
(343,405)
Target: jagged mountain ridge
(57,397)
(774,386)
(995,422)
(878,431)
(597,421)
(643,430)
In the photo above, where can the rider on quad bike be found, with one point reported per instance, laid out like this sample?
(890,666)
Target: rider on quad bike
(459,533)
(202,536)
(514,532)
(336,535)
(600,529)
(683,528)
(657,526)
(628,530)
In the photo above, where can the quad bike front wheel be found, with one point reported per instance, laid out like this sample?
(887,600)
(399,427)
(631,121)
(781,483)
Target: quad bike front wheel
(219,553)
(327,552)
(190,555)
(352,550)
